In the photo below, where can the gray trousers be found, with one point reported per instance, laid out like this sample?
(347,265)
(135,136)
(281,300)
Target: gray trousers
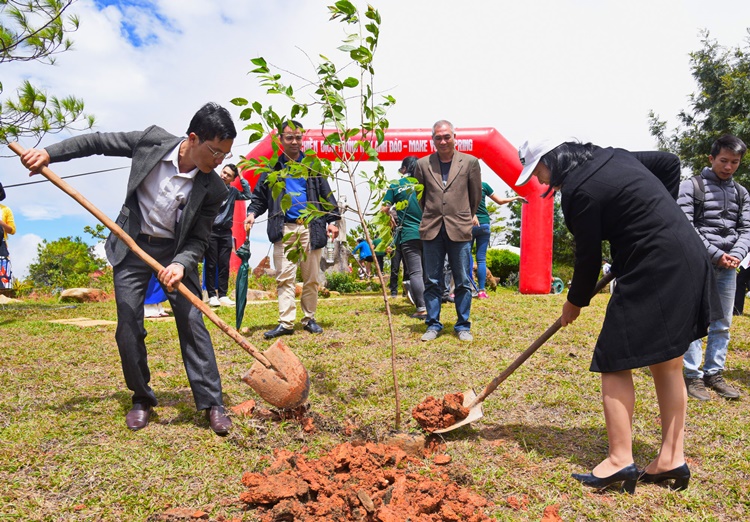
(131,279)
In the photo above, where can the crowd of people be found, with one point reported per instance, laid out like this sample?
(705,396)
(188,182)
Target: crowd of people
(676,248)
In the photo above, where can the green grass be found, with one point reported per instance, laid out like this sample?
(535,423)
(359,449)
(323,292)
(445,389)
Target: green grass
(65,453)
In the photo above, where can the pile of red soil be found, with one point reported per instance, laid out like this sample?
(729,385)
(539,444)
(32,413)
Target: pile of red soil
(358,481)
(434,414)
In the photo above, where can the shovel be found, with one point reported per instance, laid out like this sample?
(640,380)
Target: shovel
(474,401)
(278,376)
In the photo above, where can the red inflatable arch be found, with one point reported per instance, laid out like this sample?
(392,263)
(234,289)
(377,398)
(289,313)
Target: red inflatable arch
(484,143)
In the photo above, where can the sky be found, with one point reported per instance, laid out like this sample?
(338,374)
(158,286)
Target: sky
(592,69)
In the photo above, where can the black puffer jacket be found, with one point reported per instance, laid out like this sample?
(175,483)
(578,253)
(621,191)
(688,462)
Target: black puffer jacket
(725,228)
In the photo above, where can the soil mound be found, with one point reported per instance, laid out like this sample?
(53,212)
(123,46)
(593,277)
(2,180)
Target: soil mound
(435,414)
(359,481)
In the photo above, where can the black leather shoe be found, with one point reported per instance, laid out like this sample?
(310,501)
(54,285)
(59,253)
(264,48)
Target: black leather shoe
(137,417)
(680,475)
(627,475)
(218,420)
(313,327)
(278,331)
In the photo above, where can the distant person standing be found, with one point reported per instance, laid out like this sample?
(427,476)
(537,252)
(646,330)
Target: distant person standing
(397,194)
(365,255)
(220,241)
(743,285)
(480,234)
(406,232)
(155,296)
(719,209)
(452,192)
(8,226)
(285,228)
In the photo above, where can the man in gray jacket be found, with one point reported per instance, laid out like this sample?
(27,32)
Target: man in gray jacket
(172,198)
(719,209)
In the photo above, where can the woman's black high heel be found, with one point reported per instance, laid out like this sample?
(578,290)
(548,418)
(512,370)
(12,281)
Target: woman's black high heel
(680,475)
(627,475)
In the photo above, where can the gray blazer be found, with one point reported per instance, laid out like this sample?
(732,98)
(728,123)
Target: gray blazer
(147,148)
(453,205)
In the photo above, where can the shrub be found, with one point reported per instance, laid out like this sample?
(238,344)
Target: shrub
(64,263)
(344,283)
(264,282)
(502,263)
(103,280)
(512,281)
(563,271)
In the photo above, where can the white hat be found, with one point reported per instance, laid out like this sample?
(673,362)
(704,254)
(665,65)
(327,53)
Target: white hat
(530,154)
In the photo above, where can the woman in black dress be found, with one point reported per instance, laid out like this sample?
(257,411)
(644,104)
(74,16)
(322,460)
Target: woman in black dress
(660,303)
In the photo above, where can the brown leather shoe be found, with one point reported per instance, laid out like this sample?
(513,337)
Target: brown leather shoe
(137,417)
(218,420)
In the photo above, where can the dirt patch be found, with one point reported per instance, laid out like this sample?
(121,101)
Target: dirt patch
(435,414)
(83,322)
(358,481)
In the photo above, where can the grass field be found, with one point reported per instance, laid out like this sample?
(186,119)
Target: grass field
(65,453)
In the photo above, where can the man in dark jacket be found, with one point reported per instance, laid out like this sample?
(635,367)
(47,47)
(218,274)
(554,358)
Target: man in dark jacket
(304,188)
(719,209)
(172,198)
(220,242)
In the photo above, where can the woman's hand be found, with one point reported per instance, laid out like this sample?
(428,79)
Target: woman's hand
(570,313)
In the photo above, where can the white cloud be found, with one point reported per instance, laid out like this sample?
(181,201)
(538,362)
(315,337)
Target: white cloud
(23,250)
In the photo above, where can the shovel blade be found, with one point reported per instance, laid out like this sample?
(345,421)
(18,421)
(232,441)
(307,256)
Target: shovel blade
(475,413)
(286,384)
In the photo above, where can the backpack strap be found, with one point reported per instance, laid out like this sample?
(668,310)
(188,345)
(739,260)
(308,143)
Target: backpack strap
(740,202)
(699,199)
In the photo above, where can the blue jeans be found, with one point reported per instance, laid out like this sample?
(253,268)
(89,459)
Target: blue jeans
(717,343)
(459,255)
(481,238)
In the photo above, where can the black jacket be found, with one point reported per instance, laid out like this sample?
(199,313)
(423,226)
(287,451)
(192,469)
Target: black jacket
(317,188)
(665,294)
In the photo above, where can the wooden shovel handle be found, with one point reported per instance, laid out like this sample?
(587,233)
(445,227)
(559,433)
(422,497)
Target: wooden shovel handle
(492,386)
(150,261)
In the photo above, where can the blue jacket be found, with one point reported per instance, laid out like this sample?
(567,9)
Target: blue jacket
(317,189)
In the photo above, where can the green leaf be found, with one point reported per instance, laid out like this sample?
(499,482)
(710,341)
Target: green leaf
(351,82)
(246,114)
(240,102)
(346,7)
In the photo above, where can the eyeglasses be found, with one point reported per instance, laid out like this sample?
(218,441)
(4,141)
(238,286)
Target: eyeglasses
(290,138)
(444,137)
(218,153)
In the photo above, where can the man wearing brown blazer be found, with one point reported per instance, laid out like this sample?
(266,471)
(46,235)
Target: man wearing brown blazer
(452,192)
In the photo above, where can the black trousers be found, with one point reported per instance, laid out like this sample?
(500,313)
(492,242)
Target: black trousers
(216,267)
(131,279)
(413,271)
(743,285)
(397,259)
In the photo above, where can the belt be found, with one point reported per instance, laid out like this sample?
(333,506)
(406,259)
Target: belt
(297,221)
(153,240)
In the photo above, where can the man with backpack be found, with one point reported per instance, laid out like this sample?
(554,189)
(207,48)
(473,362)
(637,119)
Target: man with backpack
(719,209)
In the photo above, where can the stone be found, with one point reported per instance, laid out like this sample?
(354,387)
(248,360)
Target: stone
(82,295)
